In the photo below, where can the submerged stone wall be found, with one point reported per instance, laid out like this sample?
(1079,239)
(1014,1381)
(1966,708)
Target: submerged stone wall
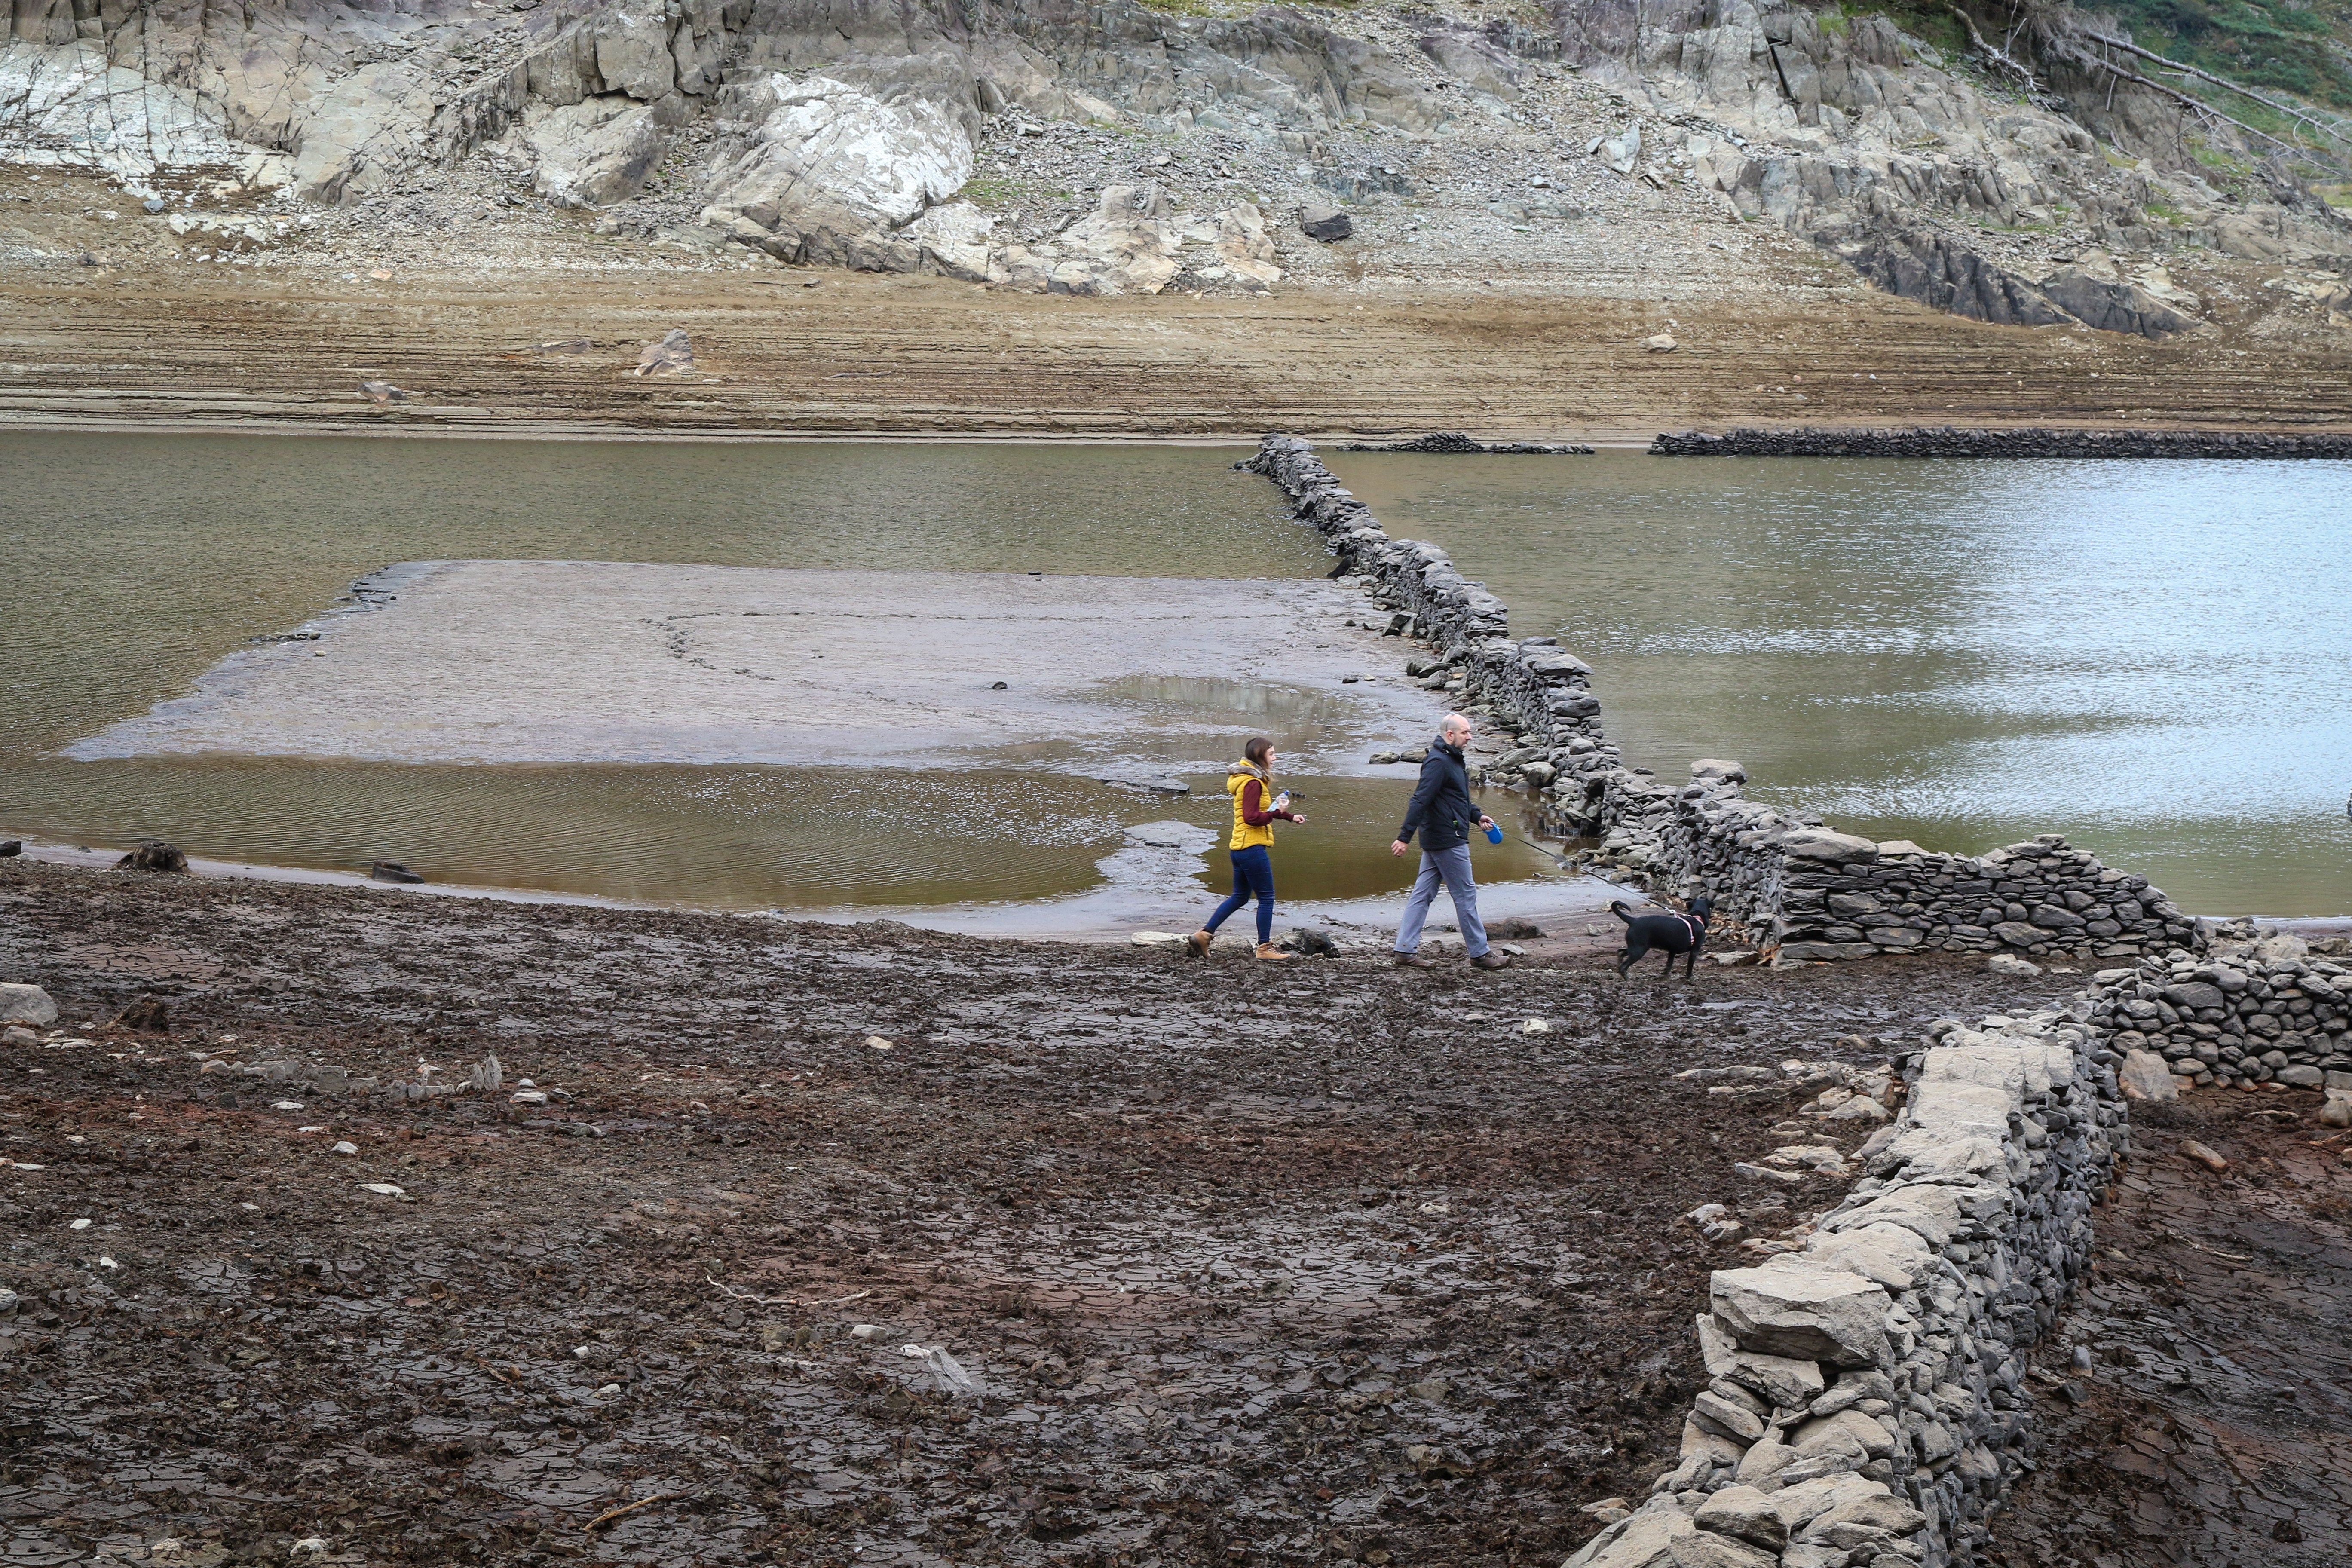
(1793,885)
(1866,1402)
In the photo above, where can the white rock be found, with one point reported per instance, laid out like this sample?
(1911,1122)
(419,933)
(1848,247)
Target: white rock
(1157,939)
(2145,1076)
(1823,844)
(345,1147)
(1644,1540)
(27,1005)
(2009,964)
(383,1189)
(528,1097)
(78,1224)
(1792,1306)
(1889,1254)
(830,162)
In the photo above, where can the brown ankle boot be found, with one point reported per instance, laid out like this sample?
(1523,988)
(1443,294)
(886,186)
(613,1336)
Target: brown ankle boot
(1197,944)
(1271,953)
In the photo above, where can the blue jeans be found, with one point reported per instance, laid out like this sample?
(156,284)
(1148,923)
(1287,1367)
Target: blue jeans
(1450,867)
(1252,874)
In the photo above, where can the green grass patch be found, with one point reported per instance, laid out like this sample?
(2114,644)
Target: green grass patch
(998,193)
(2297,47)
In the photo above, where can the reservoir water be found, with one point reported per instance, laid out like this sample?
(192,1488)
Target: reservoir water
(2153,657)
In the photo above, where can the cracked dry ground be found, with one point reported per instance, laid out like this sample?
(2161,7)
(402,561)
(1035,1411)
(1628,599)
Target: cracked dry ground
(1246,1265)
(2213,1426)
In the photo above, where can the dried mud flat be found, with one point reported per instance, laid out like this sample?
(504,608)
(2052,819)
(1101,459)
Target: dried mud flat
(1225,1263)
(2214,1425)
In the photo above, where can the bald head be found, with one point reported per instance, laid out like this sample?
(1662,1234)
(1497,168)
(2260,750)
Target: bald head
(1455,728)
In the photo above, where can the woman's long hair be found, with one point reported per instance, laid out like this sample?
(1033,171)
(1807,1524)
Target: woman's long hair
(1254,752)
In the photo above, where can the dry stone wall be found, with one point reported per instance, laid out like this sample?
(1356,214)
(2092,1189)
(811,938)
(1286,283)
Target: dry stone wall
(2242,1012)
(1867,1404)
(1795,886)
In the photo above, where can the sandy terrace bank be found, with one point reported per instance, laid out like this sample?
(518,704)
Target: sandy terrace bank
(547,341)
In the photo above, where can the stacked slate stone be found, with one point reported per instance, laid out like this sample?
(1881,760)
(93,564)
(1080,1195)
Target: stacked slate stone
(1866,1402)
(1952,442)
(1814,893)
(2240,1013)
(1454,443)
(1845,897)
(1531,687)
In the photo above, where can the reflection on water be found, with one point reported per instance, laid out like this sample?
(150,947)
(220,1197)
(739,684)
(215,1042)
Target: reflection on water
(136,563)
(2154,658)
(747,837)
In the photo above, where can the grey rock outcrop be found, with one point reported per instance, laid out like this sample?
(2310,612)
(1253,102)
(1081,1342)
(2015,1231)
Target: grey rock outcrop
(594,152)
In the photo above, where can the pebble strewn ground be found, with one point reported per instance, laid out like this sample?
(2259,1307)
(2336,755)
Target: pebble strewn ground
(1165,1262)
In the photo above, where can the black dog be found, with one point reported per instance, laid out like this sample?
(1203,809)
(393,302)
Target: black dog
(1674,935)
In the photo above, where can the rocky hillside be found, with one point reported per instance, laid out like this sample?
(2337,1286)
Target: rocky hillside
(2033,173)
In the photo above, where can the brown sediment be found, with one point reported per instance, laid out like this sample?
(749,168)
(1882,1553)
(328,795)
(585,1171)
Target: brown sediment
(2213,1424)
(1241,1262)
(906,355)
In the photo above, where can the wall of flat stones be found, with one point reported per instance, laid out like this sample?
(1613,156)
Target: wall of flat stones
(1794,885)
(1867,1403)
(1952,442)
(2239,1013)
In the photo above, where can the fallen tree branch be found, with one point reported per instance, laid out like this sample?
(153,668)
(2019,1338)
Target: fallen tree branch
(2300,117)
(784,1301)
(1999,56)
(2199,104)
(610,1514)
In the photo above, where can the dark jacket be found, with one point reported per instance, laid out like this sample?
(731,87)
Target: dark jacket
(1440,804)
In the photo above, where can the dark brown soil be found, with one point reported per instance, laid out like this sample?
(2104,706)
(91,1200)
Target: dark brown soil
(2213,1426)
(1243,1265)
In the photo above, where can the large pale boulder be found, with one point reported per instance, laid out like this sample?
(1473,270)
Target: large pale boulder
(27,1005)
(1645,1539)
(2145,1077)
(1128,239)
(1827,844)
(1890,1255)
(831,169)
(1746,1512)
(1795,1306)
(1244,248)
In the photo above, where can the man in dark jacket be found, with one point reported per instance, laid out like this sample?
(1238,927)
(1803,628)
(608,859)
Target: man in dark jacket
(1442,812)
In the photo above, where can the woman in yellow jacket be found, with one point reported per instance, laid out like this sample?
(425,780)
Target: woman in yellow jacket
(1255,810)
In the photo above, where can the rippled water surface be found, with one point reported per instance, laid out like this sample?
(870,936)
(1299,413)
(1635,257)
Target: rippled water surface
(2153,657)
(136,563)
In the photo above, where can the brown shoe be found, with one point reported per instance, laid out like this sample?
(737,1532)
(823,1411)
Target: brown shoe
(1272,954)
(1490,959)
(1197,944)
(1414,960)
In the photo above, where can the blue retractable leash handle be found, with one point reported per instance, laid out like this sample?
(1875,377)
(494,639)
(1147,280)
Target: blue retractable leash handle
(1495,835)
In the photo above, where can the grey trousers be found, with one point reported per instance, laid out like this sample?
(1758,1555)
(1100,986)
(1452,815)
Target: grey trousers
(1450,867)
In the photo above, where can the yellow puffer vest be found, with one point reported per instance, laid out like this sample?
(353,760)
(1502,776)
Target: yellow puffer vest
(1246,836)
